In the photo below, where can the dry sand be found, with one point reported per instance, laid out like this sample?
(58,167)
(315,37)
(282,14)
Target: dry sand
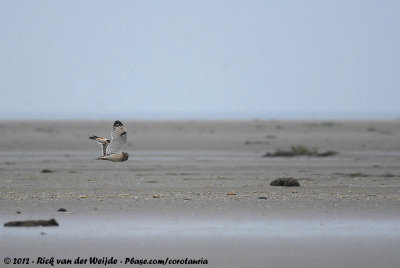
(200,189)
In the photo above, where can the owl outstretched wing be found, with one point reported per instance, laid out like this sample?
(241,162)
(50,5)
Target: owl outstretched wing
(102,141)
(118,138)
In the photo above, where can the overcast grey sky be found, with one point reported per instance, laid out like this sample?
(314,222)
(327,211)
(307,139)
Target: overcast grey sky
(199,59)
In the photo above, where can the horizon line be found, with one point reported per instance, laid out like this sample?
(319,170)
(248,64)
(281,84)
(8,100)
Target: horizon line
(209,116)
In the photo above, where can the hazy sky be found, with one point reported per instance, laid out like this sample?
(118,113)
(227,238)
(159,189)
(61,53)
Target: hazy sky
(199,59)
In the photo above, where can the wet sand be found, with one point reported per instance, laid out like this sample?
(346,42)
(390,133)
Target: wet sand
(200,189)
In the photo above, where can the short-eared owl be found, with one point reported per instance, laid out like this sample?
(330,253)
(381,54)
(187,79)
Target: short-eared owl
(112,149)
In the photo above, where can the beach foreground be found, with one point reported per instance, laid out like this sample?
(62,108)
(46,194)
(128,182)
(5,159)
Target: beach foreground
(199,190)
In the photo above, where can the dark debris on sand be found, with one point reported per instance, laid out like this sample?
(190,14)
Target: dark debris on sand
(51,222)
(285,182)
(299,151)
(47,170)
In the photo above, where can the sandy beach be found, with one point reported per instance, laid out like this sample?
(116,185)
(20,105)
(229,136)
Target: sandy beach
(200,190)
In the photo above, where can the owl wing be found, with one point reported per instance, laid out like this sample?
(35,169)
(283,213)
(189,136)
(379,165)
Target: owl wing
(102,141)
(118,138)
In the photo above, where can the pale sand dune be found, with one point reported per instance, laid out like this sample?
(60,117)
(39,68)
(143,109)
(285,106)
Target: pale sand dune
(193,188)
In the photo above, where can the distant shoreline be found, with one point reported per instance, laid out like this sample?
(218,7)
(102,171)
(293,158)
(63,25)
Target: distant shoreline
(230,116)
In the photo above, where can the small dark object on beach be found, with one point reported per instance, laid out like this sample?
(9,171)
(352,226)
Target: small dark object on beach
(262,197)
(279,153)
(51,222)
(327,153)
(152,181)
(299,151)
(62,210)
(47,170)
(357,175)
(18,212)
(285,182)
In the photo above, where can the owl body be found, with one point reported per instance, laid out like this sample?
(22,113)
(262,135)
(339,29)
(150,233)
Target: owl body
(121,157)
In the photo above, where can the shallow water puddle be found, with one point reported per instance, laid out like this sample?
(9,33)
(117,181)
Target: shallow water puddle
(94,227)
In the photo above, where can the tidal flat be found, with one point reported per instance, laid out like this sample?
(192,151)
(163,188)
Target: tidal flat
(201,189)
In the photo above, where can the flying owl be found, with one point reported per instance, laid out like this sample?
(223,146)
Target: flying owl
(111,149)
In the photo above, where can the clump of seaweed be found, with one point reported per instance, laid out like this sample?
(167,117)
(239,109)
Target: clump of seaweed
(46,170)
(51,222)
(299,150)
(285,182)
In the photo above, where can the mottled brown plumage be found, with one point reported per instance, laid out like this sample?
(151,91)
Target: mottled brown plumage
(115,157)
(102,141)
